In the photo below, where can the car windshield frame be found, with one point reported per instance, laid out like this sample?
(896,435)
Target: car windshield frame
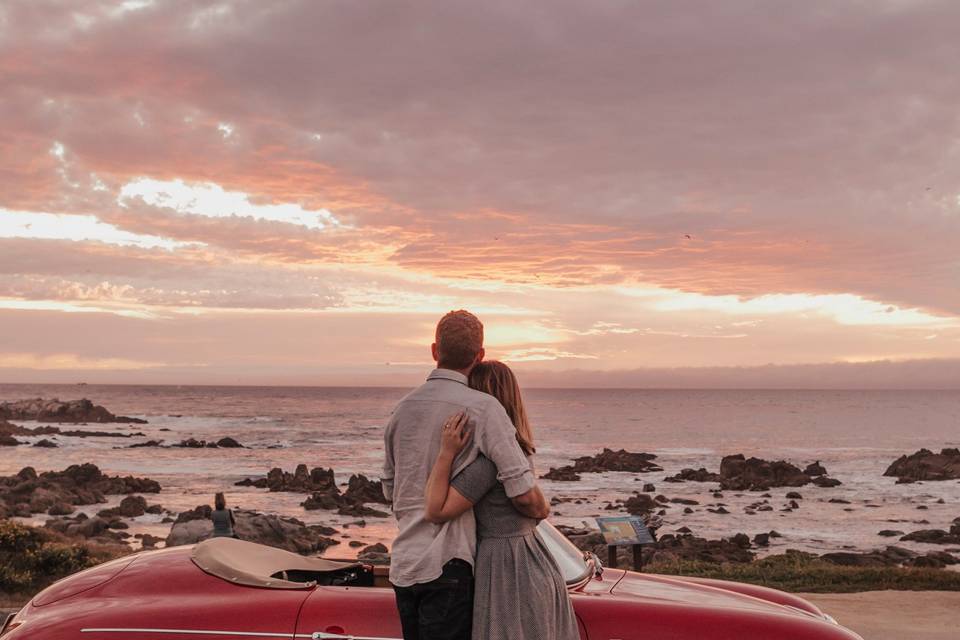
(573,565)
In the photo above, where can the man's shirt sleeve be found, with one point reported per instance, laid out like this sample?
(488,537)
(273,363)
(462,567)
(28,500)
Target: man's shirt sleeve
(386,478)
(497,439)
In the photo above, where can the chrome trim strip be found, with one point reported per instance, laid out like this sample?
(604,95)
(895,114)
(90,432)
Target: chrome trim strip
(320,635)
(194,632)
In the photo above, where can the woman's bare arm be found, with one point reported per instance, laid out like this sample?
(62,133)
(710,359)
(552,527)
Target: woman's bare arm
(443,502)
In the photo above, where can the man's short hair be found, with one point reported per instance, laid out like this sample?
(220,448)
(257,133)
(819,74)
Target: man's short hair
(459,339)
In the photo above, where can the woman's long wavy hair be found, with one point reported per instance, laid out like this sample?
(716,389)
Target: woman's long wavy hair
(495,378)
(219,502)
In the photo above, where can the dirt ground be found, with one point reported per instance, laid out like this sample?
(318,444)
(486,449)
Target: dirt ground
(895,615)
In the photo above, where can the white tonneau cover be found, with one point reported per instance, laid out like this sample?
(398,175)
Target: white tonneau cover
(252,564)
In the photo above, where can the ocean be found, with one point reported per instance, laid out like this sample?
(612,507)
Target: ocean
(854,434)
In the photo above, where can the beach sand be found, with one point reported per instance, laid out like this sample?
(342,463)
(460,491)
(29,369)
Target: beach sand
(894,615)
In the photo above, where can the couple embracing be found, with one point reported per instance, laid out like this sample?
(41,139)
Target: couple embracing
(467,561)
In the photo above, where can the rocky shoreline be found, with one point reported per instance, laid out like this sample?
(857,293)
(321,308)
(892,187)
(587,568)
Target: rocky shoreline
(743,484)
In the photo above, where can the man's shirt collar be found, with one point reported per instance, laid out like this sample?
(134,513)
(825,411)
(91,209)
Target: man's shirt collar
(447,374)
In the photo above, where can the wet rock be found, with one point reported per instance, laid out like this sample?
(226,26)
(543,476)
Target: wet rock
(932,536)
(649,487)
(640,504)
(762,539)
(356,543)
(793,495)
(561,474)
(362,489)
(683,501)
(130,507)
(9,441)
(738,473)
(825,482)
(229,443)
(76,485)
(606,460)
(53,410)
(275,531)
(719,510)
(742,540)
(694,475)
(358,509)
(815,469)
(302,480)
(148,443)
(46,444)
(838,501)
(148,541)
(60,509)
(374,554)
(890,533)
(924,465)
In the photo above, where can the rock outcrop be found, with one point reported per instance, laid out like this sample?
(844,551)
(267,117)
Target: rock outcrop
(28,492)
(54,410)
(738,473)
(302,480)
(926,465)
(275,531)
(606,460)
(193,443)
(694,475)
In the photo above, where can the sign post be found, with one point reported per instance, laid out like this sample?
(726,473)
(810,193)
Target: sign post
(625,531)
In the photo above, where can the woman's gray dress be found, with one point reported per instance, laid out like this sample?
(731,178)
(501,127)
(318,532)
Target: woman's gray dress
(520,594)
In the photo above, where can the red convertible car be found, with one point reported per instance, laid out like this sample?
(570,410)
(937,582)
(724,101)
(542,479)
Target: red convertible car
(225,588)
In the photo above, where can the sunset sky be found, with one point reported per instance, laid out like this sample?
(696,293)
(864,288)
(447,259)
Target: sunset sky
(626,193)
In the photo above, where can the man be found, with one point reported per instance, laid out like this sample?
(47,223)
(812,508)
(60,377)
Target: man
(432,565)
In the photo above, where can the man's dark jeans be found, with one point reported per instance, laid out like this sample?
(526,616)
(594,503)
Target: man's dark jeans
(441,609)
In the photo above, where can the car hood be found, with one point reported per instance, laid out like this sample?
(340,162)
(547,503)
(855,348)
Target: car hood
(676,590)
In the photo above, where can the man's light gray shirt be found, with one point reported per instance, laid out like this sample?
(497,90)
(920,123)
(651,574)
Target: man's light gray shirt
(412,442)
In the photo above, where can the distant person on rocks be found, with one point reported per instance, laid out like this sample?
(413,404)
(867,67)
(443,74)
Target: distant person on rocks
(223,522)
(432,564)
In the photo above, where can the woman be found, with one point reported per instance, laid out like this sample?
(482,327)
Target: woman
(520,593)
(223,522)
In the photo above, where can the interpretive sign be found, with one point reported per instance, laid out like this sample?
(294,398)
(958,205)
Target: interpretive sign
(623,531)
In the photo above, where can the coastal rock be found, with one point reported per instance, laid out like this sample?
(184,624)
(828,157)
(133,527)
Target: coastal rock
(9,429)
(54,410)
(815,469)
(275,531)
(825,482)
(640,504)
(738,473)
(302,480)
(131,507)
(45,444)
(926,465)
(694,475)
(9,441)
(606,460)
(375,554)
(561,474)
(193,443)
(82,484)
(148,443)
(362,489)
(890,533)
(933,536)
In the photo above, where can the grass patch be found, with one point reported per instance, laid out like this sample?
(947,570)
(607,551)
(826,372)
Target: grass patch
(33,558)
(802,573)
